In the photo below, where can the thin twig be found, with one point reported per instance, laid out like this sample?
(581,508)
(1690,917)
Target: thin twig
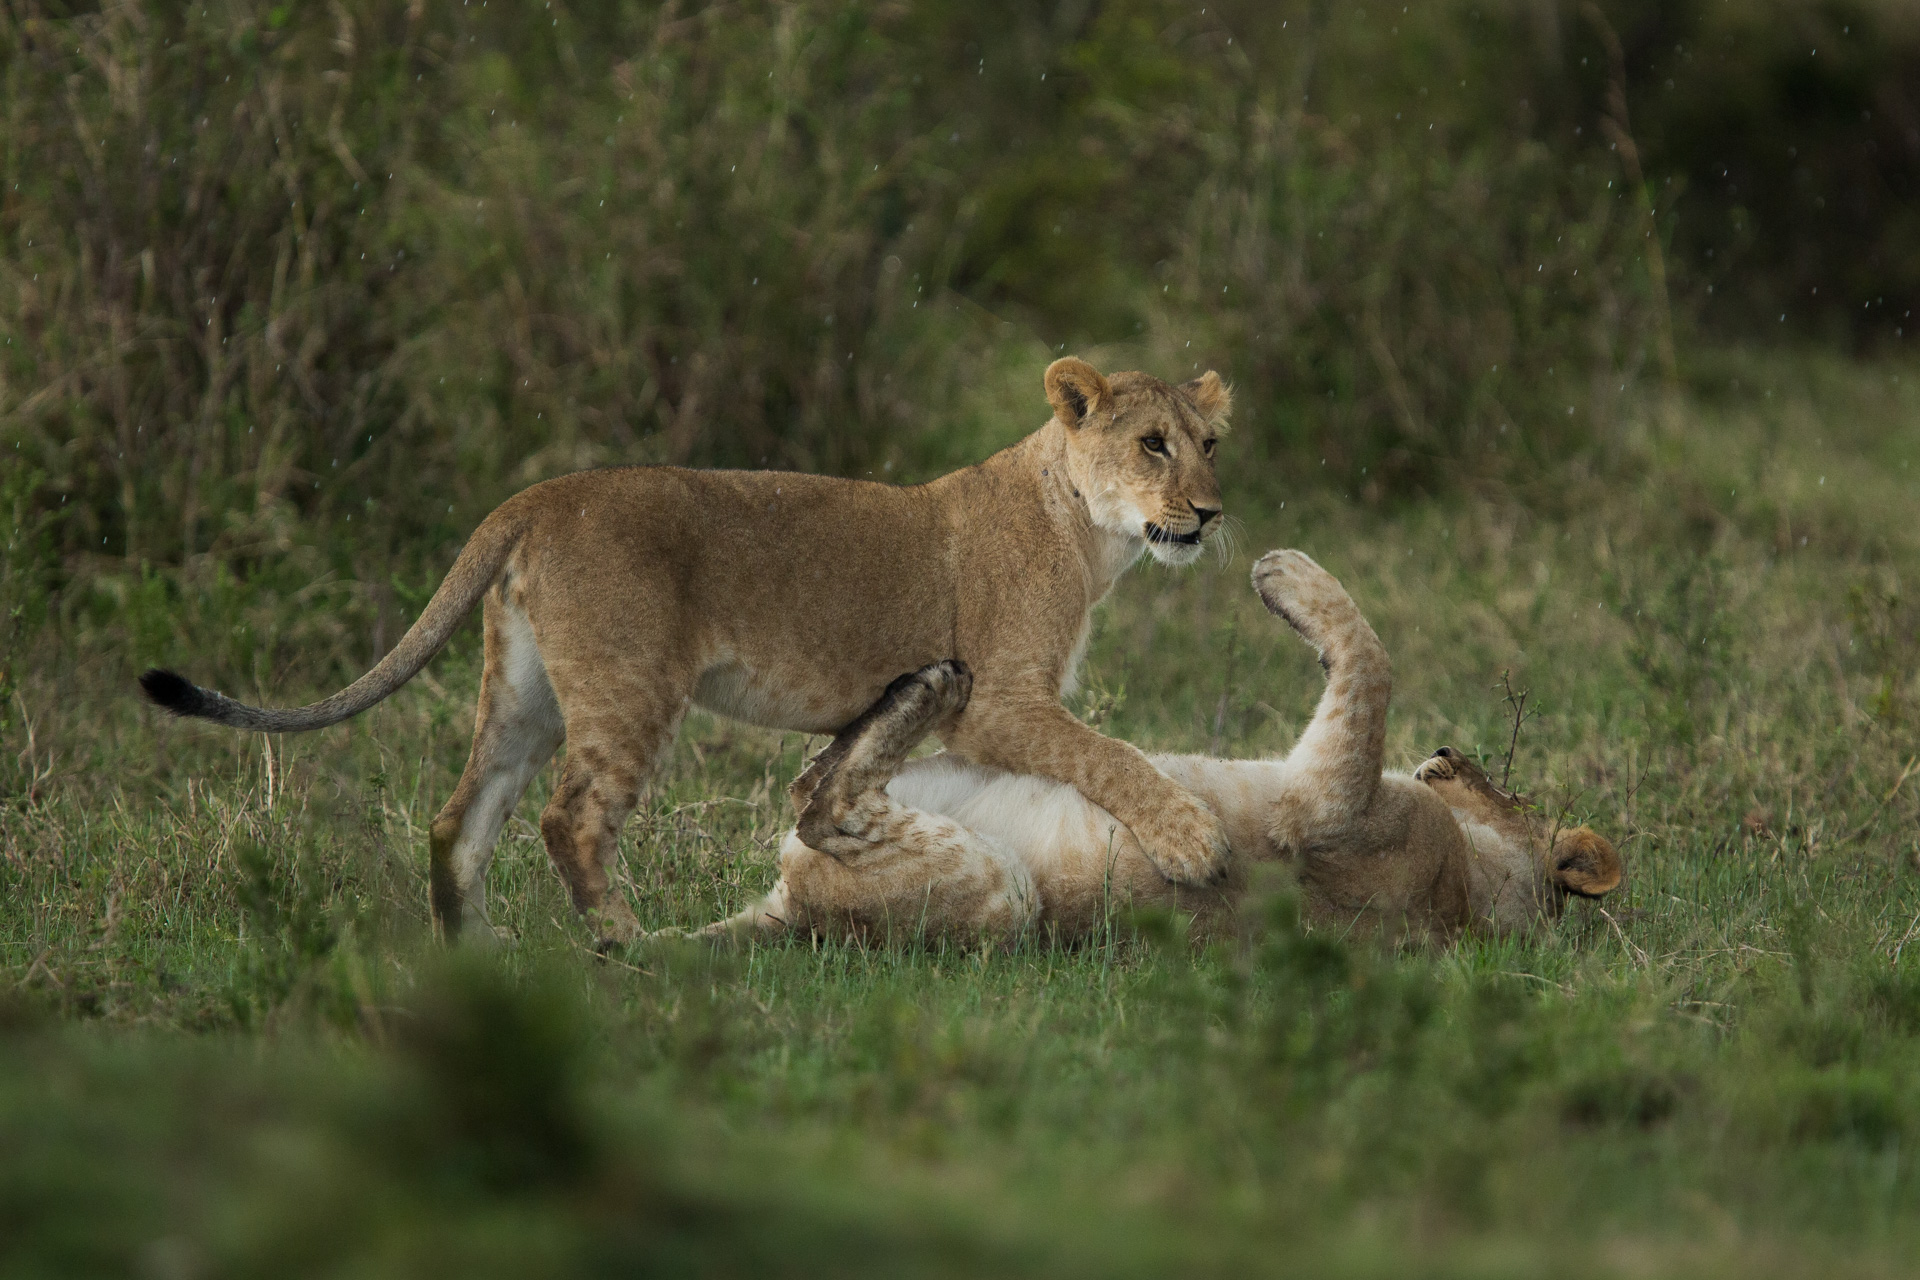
(606,957)
(1561,987)
(1912,767)
(1893,958)
(1621,934)
(1518,703)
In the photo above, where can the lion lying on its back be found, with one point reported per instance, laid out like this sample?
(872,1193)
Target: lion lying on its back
(945,848)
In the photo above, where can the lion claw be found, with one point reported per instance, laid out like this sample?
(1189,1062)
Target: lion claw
(1438,767)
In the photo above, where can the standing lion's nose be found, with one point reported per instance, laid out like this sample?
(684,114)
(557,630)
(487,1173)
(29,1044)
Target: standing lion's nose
(1204,514)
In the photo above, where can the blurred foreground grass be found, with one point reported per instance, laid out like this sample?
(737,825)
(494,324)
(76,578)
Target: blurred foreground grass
(1717,1074)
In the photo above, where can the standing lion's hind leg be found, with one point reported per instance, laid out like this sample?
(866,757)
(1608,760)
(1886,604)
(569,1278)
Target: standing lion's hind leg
(850,776)
(617,730)
(611,752)
(517,728)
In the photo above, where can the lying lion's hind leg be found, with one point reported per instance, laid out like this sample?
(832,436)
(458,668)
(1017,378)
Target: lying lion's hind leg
(517,728)
(929,880)
(842,793)
(921,878)
(863,866)
(768,918)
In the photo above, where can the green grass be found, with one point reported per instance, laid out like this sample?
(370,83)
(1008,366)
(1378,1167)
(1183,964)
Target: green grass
(227,1044)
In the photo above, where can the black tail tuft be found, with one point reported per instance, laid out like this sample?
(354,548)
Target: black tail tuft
(175,692)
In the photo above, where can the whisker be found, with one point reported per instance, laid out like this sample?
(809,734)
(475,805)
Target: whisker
(1228,542)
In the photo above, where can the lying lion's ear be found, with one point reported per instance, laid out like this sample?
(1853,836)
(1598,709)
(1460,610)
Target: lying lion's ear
(1075,389)
(1584,863)
(1210,396)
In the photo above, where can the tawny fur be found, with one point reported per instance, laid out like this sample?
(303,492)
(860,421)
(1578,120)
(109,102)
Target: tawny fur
(616,600)
(945,848)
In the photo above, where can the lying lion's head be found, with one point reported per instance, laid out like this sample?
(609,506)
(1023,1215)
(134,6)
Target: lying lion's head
(1524,866)
(1140,452)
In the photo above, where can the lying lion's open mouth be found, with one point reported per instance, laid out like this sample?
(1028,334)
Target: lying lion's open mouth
(1156,534)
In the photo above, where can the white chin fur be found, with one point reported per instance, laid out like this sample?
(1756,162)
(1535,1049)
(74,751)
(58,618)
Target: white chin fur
(1177,554)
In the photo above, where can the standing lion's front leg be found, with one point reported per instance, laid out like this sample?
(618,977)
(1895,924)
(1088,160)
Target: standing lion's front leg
(1034,734)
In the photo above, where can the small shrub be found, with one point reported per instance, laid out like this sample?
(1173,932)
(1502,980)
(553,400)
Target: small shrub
(1886,647)
(498,1064)
(1625,1096)
(1843,1105)
(299,930)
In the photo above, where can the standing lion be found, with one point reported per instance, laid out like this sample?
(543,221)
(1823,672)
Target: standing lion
(617,599)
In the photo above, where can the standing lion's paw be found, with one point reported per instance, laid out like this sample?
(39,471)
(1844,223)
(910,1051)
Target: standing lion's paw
(1185,842)
(478,933)
(613,923)
(1439,766)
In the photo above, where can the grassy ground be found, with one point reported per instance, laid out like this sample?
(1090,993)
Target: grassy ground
(228,1046)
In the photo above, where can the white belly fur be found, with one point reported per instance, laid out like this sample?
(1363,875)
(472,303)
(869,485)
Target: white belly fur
(1048,825)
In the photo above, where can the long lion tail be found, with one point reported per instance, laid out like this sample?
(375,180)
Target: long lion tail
(476,569)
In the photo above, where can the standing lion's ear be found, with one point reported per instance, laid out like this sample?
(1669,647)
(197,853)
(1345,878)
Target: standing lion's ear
(1075,389)
(1210,396)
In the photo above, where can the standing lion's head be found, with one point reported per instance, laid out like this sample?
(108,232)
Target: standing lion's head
(1140,452)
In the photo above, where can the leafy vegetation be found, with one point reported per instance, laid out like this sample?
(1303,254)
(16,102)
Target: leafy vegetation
(828,239)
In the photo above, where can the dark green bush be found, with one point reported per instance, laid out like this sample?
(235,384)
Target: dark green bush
(1786,137)
(1860,1106)
(1626,1096)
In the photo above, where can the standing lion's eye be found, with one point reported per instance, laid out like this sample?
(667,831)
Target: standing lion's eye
(1208,446)
(1153,444)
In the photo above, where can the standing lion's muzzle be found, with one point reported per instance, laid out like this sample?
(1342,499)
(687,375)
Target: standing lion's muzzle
(1159,535)
(1202,517)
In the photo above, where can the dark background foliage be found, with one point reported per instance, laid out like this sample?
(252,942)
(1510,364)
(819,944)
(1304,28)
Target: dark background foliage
(271,268)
